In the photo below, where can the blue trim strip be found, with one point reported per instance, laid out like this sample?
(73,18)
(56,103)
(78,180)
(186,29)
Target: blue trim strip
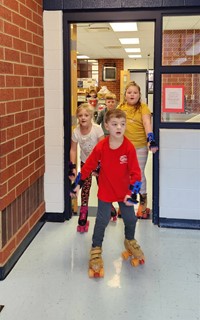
(179,223)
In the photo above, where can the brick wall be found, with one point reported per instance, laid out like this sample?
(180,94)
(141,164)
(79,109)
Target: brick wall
(113,86)
(21,118)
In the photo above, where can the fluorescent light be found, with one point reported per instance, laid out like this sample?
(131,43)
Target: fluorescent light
(132,49)
(124,26)
(82,57)
(135,56)
(129,40)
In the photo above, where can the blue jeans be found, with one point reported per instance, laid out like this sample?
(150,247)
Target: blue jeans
(103,218)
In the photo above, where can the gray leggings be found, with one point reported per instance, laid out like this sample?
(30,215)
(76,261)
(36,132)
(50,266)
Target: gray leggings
(103,218)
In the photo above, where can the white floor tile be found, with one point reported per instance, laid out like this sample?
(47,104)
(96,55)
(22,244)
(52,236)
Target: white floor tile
(50,280)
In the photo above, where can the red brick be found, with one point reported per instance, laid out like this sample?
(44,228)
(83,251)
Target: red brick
(11,29)
(13,132)
(26,35)
(7,147)
(7,173)
(3,189)
(27,127)
(13,81)
(12,4)
(27,81)
(5,40)
(2,109)
(27,104)
(2,81)
(20,69)
(26,58)
(12,55)
(6,67)
(19,20)
(33,92)
(13,107)
(22,140)
(21,93)
(19,44)
(15,180)
(21,164)
(28,149)
(5,13)
(31,26)
(26,12)
(14,156)
(33,71)
(6,121)
(6,94)
(21,117)
(28,171)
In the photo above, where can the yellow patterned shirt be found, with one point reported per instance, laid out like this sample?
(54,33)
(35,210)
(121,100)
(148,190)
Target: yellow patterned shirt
(135,131)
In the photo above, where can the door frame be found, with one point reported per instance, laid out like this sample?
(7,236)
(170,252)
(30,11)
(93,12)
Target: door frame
(105,16)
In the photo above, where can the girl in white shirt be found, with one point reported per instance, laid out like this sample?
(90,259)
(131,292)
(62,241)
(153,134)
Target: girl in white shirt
(87,134)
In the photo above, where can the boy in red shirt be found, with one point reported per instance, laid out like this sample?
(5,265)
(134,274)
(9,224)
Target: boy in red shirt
(118,179)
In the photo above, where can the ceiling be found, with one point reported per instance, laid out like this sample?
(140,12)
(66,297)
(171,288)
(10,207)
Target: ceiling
(98,40)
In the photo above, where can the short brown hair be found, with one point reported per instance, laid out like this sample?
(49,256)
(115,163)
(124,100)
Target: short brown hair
(116,113)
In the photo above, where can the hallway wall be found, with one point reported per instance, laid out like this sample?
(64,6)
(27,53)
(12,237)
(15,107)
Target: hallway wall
(22,124)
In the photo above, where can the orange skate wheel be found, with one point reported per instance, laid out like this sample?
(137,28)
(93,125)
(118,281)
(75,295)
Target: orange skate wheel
(91,273)
(139,212)
(135,262)
(125,255)
(101,273)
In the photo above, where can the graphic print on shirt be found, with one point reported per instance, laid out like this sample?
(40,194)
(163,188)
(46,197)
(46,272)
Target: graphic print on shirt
(123,159)
(87,145)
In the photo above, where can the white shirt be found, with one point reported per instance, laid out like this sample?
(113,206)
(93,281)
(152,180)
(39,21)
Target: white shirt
(87,142)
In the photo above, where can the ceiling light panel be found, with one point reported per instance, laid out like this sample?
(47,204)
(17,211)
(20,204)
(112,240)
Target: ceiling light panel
(129,40)
(135,56)
(124,26)
(129,50)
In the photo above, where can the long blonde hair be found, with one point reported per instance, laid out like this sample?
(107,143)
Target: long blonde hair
(132,84)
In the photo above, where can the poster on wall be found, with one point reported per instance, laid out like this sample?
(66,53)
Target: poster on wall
(173,98)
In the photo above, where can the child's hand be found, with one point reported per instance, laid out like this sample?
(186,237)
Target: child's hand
(75,192)
(72,175)
(126,202)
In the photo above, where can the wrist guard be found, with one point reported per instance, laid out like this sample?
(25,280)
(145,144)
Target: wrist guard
(135,189)
(151,140)
(77,181)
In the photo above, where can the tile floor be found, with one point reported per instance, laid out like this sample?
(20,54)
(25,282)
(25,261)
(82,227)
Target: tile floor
(50,280)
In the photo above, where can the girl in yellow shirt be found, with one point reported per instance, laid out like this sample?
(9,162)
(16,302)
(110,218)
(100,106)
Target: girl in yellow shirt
(139,132)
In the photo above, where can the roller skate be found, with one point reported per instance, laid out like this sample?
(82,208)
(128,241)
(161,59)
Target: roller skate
(143,212)
(83,223)
(113,214)
(96,269)
(133,251)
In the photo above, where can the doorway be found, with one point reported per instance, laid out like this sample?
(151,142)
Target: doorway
(84,24)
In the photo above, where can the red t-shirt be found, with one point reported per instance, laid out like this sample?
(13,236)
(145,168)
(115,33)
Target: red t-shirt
(118,169)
